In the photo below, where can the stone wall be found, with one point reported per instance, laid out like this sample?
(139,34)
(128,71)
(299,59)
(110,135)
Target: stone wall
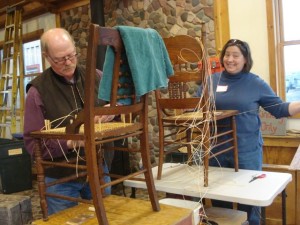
(168,17)
(77,21)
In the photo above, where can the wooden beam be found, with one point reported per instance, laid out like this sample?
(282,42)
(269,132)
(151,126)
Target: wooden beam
(271,45)
(222,29)
(33,8)
(71,5)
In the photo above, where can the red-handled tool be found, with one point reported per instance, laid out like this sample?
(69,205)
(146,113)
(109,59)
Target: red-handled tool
(257,177)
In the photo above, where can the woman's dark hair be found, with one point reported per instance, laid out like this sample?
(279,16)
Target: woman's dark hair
(244,47)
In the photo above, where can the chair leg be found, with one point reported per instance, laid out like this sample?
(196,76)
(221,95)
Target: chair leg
(206,150)
(41,179)
(160,165)
(98,203)
(94,182)
(100,158)
(161,153)
(235,144)
(189,148)
(145,154)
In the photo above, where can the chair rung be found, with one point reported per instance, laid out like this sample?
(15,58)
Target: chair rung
(123,178)
(5,124)
(223,151)
(63,164)
(9,42)
(7,75)
(5,92)
(5,108)
(169,149)
(7,58)
(223,142)
(68,198)
(9,26)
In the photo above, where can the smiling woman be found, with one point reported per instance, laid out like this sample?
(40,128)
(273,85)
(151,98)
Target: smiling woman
(236,57)
(236,88)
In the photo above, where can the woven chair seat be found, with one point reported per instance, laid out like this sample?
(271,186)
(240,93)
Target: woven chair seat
(188,116)
(103,127)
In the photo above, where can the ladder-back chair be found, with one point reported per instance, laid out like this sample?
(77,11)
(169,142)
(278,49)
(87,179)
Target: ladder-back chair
(94,134)
(176,124)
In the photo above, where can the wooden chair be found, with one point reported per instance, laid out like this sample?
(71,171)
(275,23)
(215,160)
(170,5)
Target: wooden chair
(177,128)
(84,128)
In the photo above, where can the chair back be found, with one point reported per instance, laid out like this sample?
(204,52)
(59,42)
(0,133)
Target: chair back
(186,55)
(122,91)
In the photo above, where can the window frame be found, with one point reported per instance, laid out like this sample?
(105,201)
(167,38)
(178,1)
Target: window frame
(276,47)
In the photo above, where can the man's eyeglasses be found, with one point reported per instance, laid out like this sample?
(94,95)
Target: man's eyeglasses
(62,60)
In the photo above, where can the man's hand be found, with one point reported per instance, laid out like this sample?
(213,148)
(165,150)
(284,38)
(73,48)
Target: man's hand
(75,144)
(104,118)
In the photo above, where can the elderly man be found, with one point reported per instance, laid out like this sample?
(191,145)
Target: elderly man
(55,96)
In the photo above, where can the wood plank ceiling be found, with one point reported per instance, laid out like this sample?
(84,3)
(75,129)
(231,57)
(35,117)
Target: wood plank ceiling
(33,8)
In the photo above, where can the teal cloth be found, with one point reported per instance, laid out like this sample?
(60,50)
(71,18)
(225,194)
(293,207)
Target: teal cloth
(148,60)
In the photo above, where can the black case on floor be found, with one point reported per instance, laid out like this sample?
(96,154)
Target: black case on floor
(15,167)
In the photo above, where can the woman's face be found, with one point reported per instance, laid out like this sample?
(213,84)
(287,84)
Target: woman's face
(233,60)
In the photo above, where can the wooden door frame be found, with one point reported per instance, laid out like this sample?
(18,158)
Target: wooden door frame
(222,26)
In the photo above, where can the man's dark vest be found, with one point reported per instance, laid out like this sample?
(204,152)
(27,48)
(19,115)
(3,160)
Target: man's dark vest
(61,98)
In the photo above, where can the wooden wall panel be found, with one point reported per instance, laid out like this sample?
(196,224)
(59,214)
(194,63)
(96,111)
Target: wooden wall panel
(280,150)
(298,198)
(278,154)
(222,27)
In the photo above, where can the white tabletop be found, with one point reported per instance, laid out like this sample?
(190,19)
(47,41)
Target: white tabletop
(223,183)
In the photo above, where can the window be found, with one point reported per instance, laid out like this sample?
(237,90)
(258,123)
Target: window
(291,46)
(32,56)
(287,48)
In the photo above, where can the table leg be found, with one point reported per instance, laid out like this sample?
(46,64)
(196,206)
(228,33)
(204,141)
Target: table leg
(283,202)
(263,216)
(133,191)
(283,205)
